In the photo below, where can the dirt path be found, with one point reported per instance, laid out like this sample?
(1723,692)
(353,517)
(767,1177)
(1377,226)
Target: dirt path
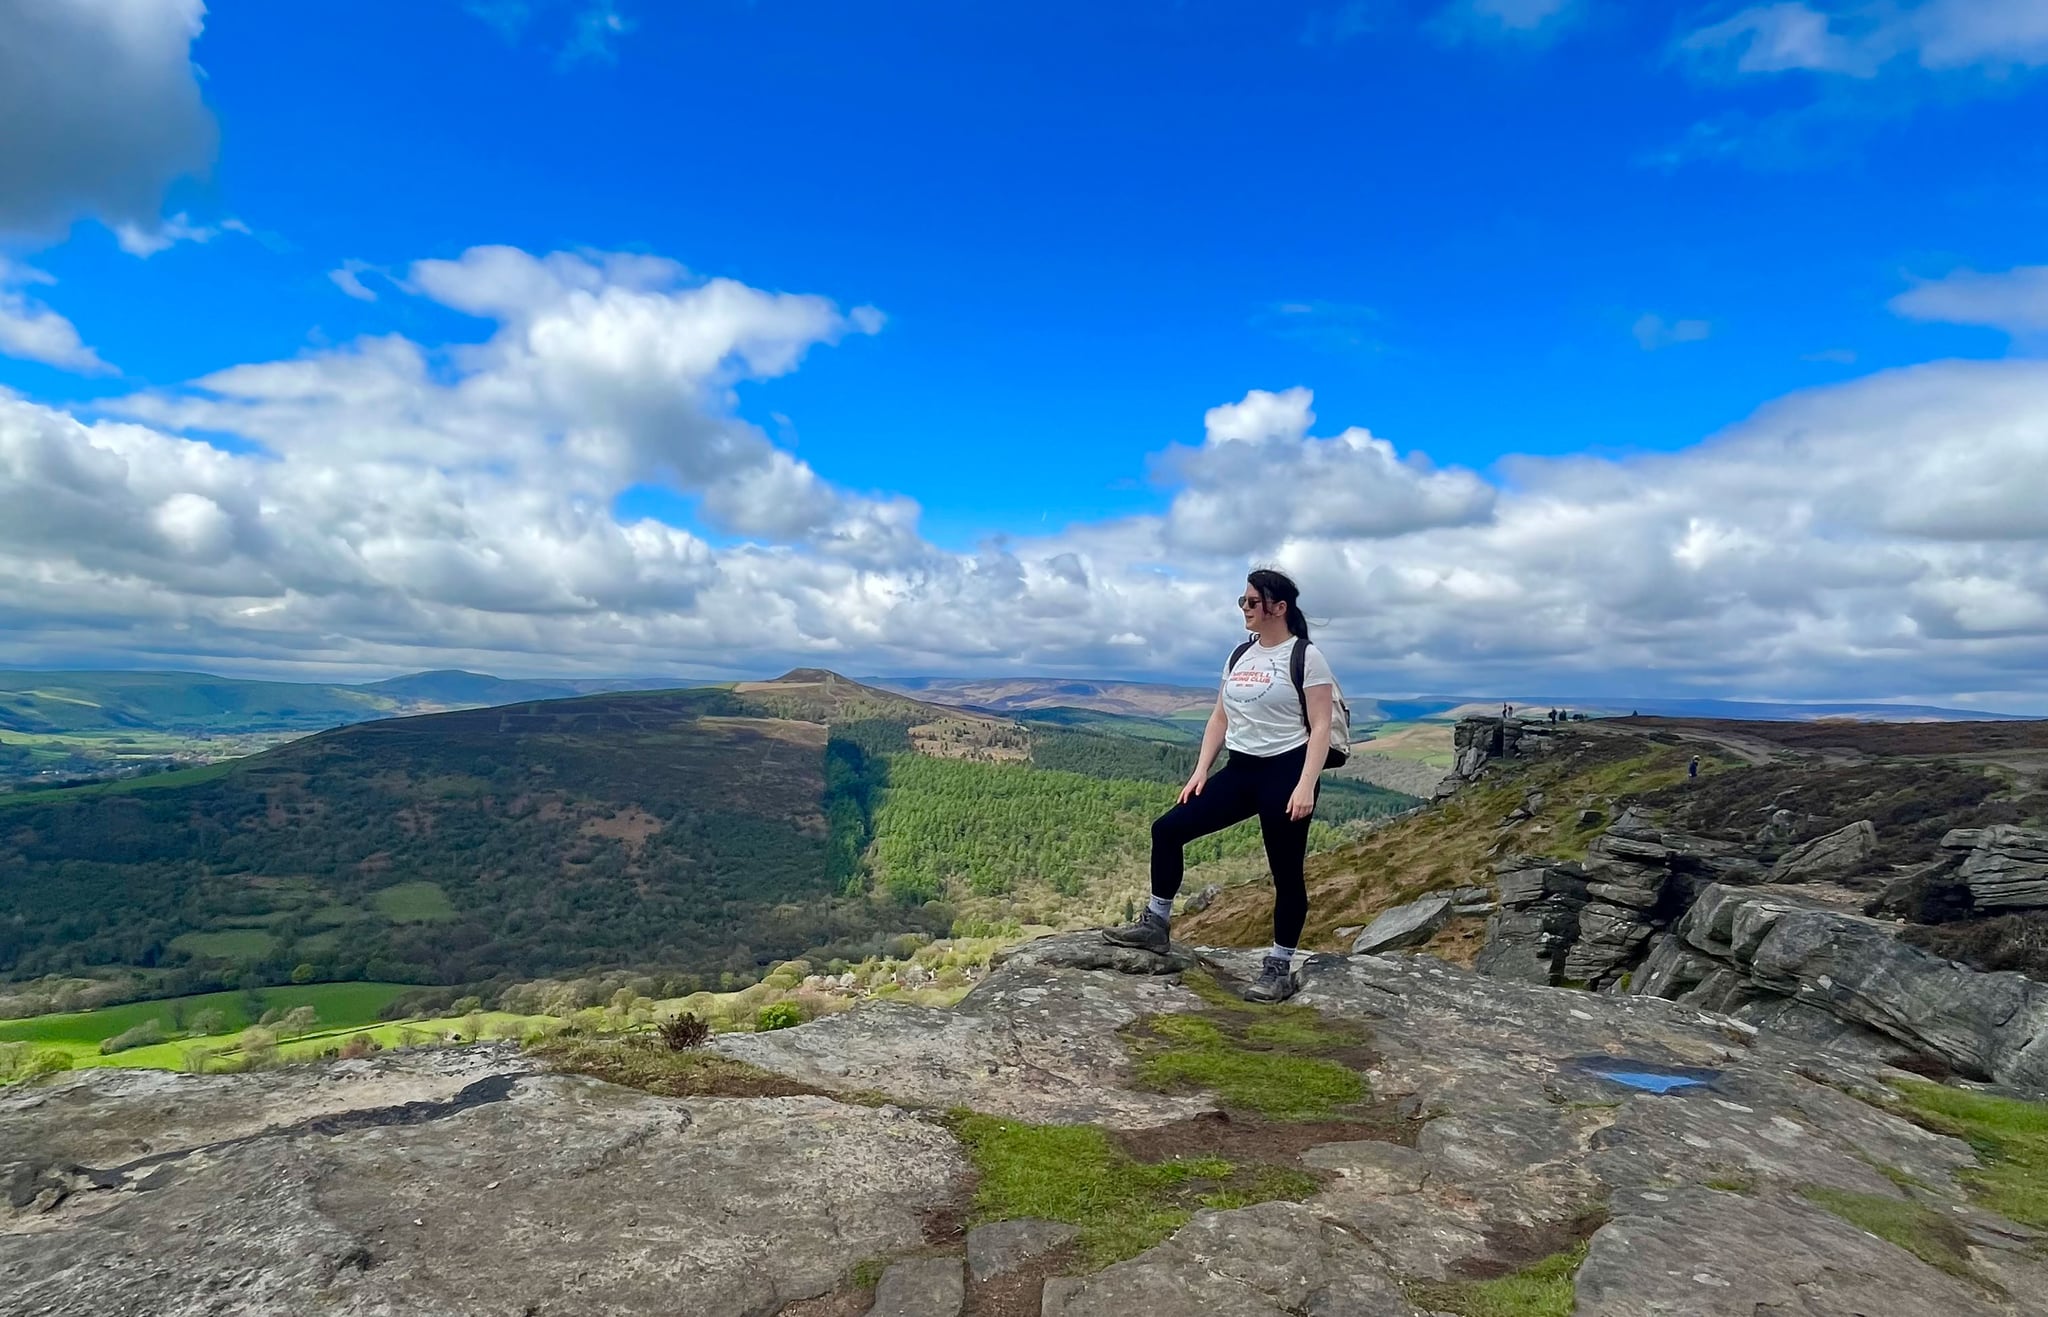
(1752,750)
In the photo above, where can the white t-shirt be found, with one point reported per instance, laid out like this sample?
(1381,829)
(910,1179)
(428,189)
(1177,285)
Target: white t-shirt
(1263,712)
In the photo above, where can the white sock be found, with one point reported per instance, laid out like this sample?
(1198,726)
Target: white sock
(1161,906)
(1281,953)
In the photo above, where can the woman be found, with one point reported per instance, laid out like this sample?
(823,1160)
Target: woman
(1278,739)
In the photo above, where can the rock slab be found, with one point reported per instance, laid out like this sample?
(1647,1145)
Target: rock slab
(1837,853)
(1407,925)
(921,1287)
(998,1249)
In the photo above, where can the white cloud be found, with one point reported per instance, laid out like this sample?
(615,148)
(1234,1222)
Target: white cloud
(348,278)
(99,110)
(1861,39)
(409,506)
(2015,301)
(33,332)
(1260,480)
(1652,331)
(146,240)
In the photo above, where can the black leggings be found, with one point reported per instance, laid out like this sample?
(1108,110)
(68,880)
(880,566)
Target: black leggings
(1247,785)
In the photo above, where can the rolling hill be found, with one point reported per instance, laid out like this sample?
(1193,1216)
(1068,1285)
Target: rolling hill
(710,831)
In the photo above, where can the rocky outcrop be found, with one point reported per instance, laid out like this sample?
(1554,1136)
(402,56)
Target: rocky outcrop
(1588,923)
(1839,852)
(1980,871)
(1477,741)
(1771,955)
(1509,1121)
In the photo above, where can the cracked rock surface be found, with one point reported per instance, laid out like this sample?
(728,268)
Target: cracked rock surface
(565,1196)
(463,1181)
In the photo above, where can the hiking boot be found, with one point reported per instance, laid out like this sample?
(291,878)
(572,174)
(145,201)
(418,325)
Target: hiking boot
(1275,981)
(1150,933)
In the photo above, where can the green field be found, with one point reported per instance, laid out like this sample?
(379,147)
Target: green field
(414,903)
(228,944)
(80,1033)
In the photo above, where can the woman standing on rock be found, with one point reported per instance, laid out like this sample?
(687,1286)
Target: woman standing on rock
(1279,740)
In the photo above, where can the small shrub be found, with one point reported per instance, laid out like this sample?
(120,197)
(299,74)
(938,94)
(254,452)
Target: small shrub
(682,1032)
(360,1046)
(20,1062)
(210,1021)
(780,1015)
(142,1035)
(198,1059)
(259,1048)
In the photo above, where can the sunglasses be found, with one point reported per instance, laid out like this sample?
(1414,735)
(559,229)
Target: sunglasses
(1248,602)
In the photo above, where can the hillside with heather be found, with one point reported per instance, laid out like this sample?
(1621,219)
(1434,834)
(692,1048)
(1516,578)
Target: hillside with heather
(708,832)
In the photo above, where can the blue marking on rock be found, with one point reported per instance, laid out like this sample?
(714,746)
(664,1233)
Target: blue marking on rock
(1649,1083)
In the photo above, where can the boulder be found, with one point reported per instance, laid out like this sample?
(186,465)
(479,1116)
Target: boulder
(1837,853)
(2007,868)
(1201,900)
(1404,925)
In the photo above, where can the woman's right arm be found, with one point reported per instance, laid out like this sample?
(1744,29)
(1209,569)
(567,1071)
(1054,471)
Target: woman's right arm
(1212,745)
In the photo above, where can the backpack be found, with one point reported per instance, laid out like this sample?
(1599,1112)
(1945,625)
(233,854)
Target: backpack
(1340,712)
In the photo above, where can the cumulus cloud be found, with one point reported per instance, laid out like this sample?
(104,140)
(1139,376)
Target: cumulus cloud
(146,240)
(99,110)
(394,505)
(2015,300)
(33,332)
(1652,331)
(1260,479)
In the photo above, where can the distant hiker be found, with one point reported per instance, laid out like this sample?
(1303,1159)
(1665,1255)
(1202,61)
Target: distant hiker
(1277,713)
(1693,769)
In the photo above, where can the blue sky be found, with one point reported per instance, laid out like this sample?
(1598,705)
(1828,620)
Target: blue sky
(1487,231)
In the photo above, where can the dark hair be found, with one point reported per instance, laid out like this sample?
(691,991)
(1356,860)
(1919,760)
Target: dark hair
(1277,587)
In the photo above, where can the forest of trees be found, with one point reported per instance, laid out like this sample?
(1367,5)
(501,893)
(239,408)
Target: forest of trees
(664,831)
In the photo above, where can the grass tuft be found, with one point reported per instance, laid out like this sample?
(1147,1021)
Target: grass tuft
(2010,1136)
(1074,1174)
(1271,1083)
(1256,1058)
(1921,1231)
(1543,1289)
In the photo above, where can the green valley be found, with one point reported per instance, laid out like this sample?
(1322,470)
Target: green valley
(704,832)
